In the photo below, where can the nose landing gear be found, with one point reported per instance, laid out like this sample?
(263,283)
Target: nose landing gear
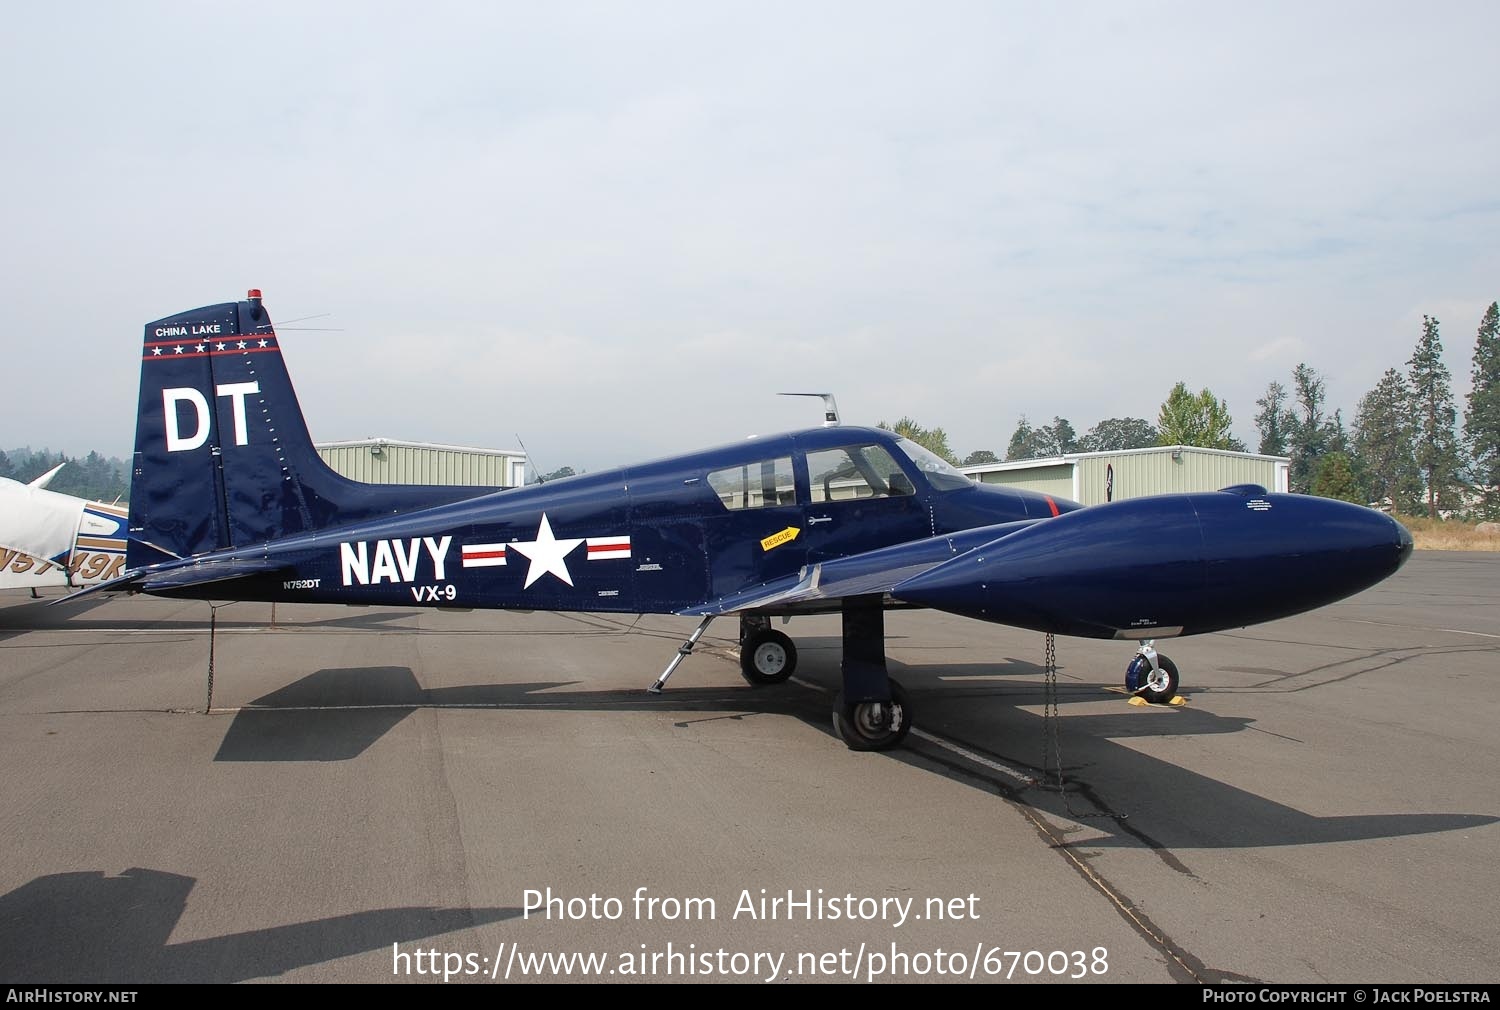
(1151,675)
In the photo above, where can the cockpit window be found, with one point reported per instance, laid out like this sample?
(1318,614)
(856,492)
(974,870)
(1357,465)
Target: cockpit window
(756,485)
(865,471)
(941,474)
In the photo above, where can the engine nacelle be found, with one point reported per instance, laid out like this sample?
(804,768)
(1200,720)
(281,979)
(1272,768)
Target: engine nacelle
(1169,565)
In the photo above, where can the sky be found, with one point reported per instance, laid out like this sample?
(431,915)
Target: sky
(616,231)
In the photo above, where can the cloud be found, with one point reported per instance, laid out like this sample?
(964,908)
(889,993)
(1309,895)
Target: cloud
(627,229)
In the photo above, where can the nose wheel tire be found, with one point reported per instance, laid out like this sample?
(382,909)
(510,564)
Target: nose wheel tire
(767,657)
(873,725)
(1159,686)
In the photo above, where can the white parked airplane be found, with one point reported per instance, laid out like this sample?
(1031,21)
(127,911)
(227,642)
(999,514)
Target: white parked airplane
(50,539)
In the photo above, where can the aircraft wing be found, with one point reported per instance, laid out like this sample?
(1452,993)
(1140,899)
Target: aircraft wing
(822,584)
(46,478)
(36,521)
(48,539)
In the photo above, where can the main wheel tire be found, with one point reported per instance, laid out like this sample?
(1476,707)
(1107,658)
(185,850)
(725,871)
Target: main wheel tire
(767,657)
(873,725)
(1160,685)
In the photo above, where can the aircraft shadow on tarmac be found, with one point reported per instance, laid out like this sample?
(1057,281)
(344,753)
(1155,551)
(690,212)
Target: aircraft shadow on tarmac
(40,615)
(1137,799)
(89,927)
(336,714)
(19,617)
(1131,797)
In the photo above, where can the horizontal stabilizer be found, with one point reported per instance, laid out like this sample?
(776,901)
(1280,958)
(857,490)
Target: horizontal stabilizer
(198,573)
(178,575)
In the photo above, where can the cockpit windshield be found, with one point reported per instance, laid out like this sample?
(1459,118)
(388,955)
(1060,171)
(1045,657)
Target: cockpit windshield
(941,474)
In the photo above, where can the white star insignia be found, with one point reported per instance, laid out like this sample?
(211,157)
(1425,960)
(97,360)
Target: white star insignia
(156,350)
(219,346)
(547,554)
(202,348)
(178,349)
(243,345)
(264,341)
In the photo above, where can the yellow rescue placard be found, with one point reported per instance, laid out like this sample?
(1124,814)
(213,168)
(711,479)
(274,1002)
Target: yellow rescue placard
(777,539)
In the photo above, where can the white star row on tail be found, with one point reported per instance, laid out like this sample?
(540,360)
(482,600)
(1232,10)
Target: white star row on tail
(221,346)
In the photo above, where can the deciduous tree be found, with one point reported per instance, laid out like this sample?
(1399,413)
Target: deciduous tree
(1049,440)
(934,440)
(1116,433)
(1199,419)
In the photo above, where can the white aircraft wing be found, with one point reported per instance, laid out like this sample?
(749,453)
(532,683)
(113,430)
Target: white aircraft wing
(36,521)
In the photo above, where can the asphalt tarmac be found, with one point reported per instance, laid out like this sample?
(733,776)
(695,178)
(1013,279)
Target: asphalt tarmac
(420,796)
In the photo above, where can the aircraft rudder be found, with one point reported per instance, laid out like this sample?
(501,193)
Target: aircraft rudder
(220,437)
(174,499)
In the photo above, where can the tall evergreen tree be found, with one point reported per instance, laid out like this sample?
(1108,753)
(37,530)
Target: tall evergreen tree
(1383,444)
(1274,421)
(1335,478)
(1200,419)
(1307,434)
(1432,402)
(1482,418)
(1021,440)
(1337,435)
(31,464)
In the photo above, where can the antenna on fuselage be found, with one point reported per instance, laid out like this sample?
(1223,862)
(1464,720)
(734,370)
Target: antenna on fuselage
(526,453)
(830,408)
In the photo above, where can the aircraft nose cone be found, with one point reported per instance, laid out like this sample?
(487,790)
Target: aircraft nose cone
(1404,542)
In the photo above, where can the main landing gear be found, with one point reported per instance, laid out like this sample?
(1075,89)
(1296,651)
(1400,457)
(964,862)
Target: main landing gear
(1151,675)
(873,725)
(870,712)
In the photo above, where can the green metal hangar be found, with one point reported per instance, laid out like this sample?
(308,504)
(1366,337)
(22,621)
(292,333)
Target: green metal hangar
(392,461)
(1092,478)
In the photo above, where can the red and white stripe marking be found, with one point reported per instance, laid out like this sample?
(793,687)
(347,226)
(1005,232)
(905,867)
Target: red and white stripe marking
(603,548)
(484,555)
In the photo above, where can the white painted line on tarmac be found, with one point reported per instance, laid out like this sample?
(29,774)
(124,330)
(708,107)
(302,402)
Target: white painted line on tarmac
(969,755)
(1420,627)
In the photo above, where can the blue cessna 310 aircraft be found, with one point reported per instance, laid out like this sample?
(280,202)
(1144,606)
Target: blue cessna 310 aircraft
(230,501)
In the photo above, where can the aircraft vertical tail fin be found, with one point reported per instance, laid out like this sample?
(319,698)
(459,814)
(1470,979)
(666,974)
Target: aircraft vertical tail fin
(223,457)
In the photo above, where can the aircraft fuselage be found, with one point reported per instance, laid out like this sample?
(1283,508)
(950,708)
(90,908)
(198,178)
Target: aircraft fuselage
(654,538)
